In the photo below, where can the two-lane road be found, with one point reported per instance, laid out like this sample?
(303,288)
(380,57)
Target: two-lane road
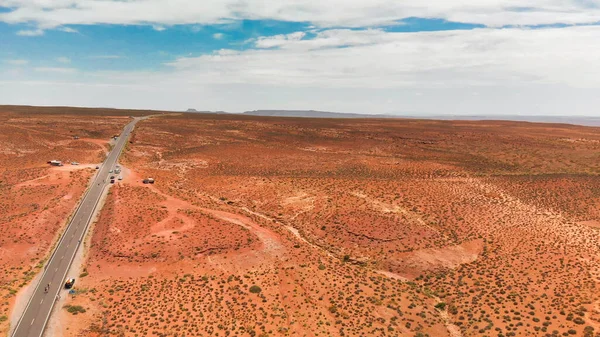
(36,314)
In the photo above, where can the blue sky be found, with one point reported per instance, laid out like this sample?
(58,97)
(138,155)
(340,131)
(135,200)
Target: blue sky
(147,47)
(353,56)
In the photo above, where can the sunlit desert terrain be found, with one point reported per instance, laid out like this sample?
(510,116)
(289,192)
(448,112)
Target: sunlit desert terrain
(35,198)
(261,226)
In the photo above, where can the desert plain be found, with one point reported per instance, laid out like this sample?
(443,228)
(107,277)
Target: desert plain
(269,226)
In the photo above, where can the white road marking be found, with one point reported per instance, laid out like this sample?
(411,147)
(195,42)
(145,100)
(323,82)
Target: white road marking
(112,157)
(62,257)
(42,301)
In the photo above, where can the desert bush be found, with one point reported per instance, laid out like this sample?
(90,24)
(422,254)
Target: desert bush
(75,309)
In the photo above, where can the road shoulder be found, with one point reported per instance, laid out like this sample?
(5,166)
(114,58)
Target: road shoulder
(55,327)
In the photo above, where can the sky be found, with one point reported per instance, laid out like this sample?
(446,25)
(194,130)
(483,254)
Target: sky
(432,57)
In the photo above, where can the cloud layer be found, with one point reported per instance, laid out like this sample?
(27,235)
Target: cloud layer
(348,60)
(528,71)
(329,13)
(379,59)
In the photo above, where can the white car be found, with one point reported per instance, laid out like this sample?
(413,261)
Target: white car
(120,178)
(74,163)
(110,171)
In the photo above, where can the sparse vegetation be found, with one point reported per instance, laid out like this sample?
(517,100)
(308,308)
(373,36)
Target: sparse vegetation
(351,228)
(441,306)
(37,200)
(75,309)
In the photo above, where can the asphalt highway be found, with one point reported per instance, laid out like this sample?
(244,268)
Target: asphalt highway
(52,284)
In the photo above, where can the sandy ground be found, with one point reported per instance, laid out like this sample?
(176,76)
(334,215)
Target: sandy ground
(21,301)
(23,295)
(354,228)
(38,199)
(56,324)
(591,223)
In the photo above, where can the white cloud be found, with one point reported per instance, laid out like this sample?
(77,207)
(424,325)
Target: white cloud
(513,71)
(63,59)
(325,39)
(218,36)
(278,40)
(378,59)
(327,13)
(55,70)
(33,32)
(17,62)
(68,30)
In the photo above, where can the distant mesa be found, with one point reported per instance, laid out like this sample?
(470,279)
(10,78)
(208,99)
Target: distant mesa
(204,112)
(577,120)
(312,114)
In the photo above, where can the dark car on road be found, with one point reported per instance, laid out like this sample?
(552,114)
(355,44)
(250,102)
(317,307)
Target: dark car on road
(69,283)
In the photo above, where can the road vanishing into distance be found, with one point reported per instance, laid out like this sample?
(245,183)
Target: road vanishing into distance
(33,321)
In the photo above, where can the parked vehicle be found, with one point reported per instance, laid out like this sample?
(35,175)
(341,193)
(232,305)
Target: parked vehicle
(69,283)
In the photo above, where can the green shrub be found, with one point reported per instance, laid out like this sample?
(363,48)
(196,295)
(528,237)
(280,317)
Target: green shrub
(75,309)
(255,289)
(588,331)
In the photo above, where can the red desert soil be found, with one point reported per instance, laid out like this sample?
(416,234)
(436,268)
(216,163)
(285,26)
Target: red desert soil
(37,199)
(320,227)
(591,223)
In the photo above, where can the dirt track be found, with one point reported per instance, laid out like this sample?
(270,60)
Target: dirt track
(492,222)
